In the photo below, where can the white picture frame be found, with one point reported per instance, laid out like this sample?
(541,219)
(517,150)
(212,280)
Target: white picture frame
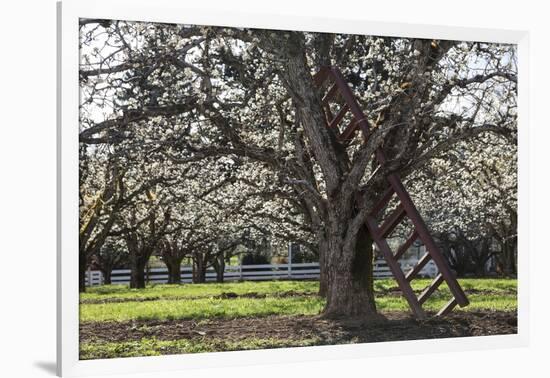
(68,363)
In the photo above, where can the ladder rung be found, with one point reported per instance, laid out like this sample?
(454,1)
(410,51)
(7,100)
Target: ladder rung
(418,267)
(392,221)
(448,307)
(384,199)
(349,130)
(350,100)
(430,289)
(339,116)
(330,94)
(404,285)
(328,113)
(406,245)
(427,239)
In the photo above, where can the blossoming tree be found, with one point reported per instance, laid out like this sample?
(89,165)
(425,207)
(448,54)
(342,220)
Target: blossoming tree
(189,94)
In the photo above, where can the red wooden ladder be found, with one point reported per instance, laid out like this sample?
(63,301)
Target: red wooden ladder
(405,207)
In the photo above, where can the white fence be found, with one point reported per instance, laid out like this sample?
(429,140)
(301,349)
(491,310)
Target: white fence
(250,273)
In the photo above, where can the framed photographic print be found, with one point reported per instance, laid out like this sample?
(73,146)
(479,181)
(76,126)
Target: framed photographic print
(258,187)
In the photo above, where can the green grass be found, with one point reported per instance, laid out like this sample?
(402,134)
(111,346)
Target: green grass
(201,301)
(203,308)
(204,301)
(122,292)
(435,303)
(106,292)
(486,284)
(153,347)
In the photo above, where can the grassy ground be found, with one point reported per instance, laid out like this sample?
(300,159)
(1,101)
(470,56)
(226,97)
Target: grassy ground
(154,347)
(116,304)
(109,292)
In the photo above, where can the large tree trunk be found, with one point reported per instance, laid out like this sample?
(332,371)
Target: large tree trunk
(346,266)
(350,290)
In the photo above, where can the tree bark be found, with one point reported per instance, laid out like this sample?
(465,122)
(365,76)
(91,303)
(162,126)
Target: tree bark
(137,269)
(219,266)
(107,271)
(137,275)
(323,276)
(480,257)
(174,270)
(199,275)
(509,257)
(82,264)
(170,269)
(350,289)
(176,274)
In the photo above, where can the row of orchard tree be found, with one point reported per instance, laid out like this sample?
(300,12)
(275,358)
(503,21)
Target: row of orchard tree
(193,138)
(133,208)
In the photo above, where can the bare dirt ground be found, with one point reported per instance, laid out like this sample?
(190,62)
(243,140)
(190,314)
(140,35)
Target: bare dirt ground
(399,326)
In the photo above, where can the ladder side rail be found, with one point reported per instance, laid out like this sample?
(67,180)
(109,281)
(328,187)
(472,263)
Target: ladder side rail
(426,237)
(320,76)
(448,308)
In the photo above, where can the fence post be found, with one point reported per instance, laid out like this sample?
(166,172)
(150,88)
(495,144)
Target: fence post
(289,260)
(89,275)
(241,271)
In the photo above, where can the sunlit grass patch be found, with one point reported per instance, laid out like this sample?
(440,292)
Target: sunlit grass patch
(485,284)
(203,308)
(109,292)
(275,288)
(203,301)
(487,294)
(438,301)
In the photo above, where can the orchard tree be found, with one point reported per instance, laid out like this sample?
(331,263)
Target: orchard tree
(471,202)
(113,253)
(197,92)
(143,226)
(100,198)
(172,254)
(207,223)
(144,220)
